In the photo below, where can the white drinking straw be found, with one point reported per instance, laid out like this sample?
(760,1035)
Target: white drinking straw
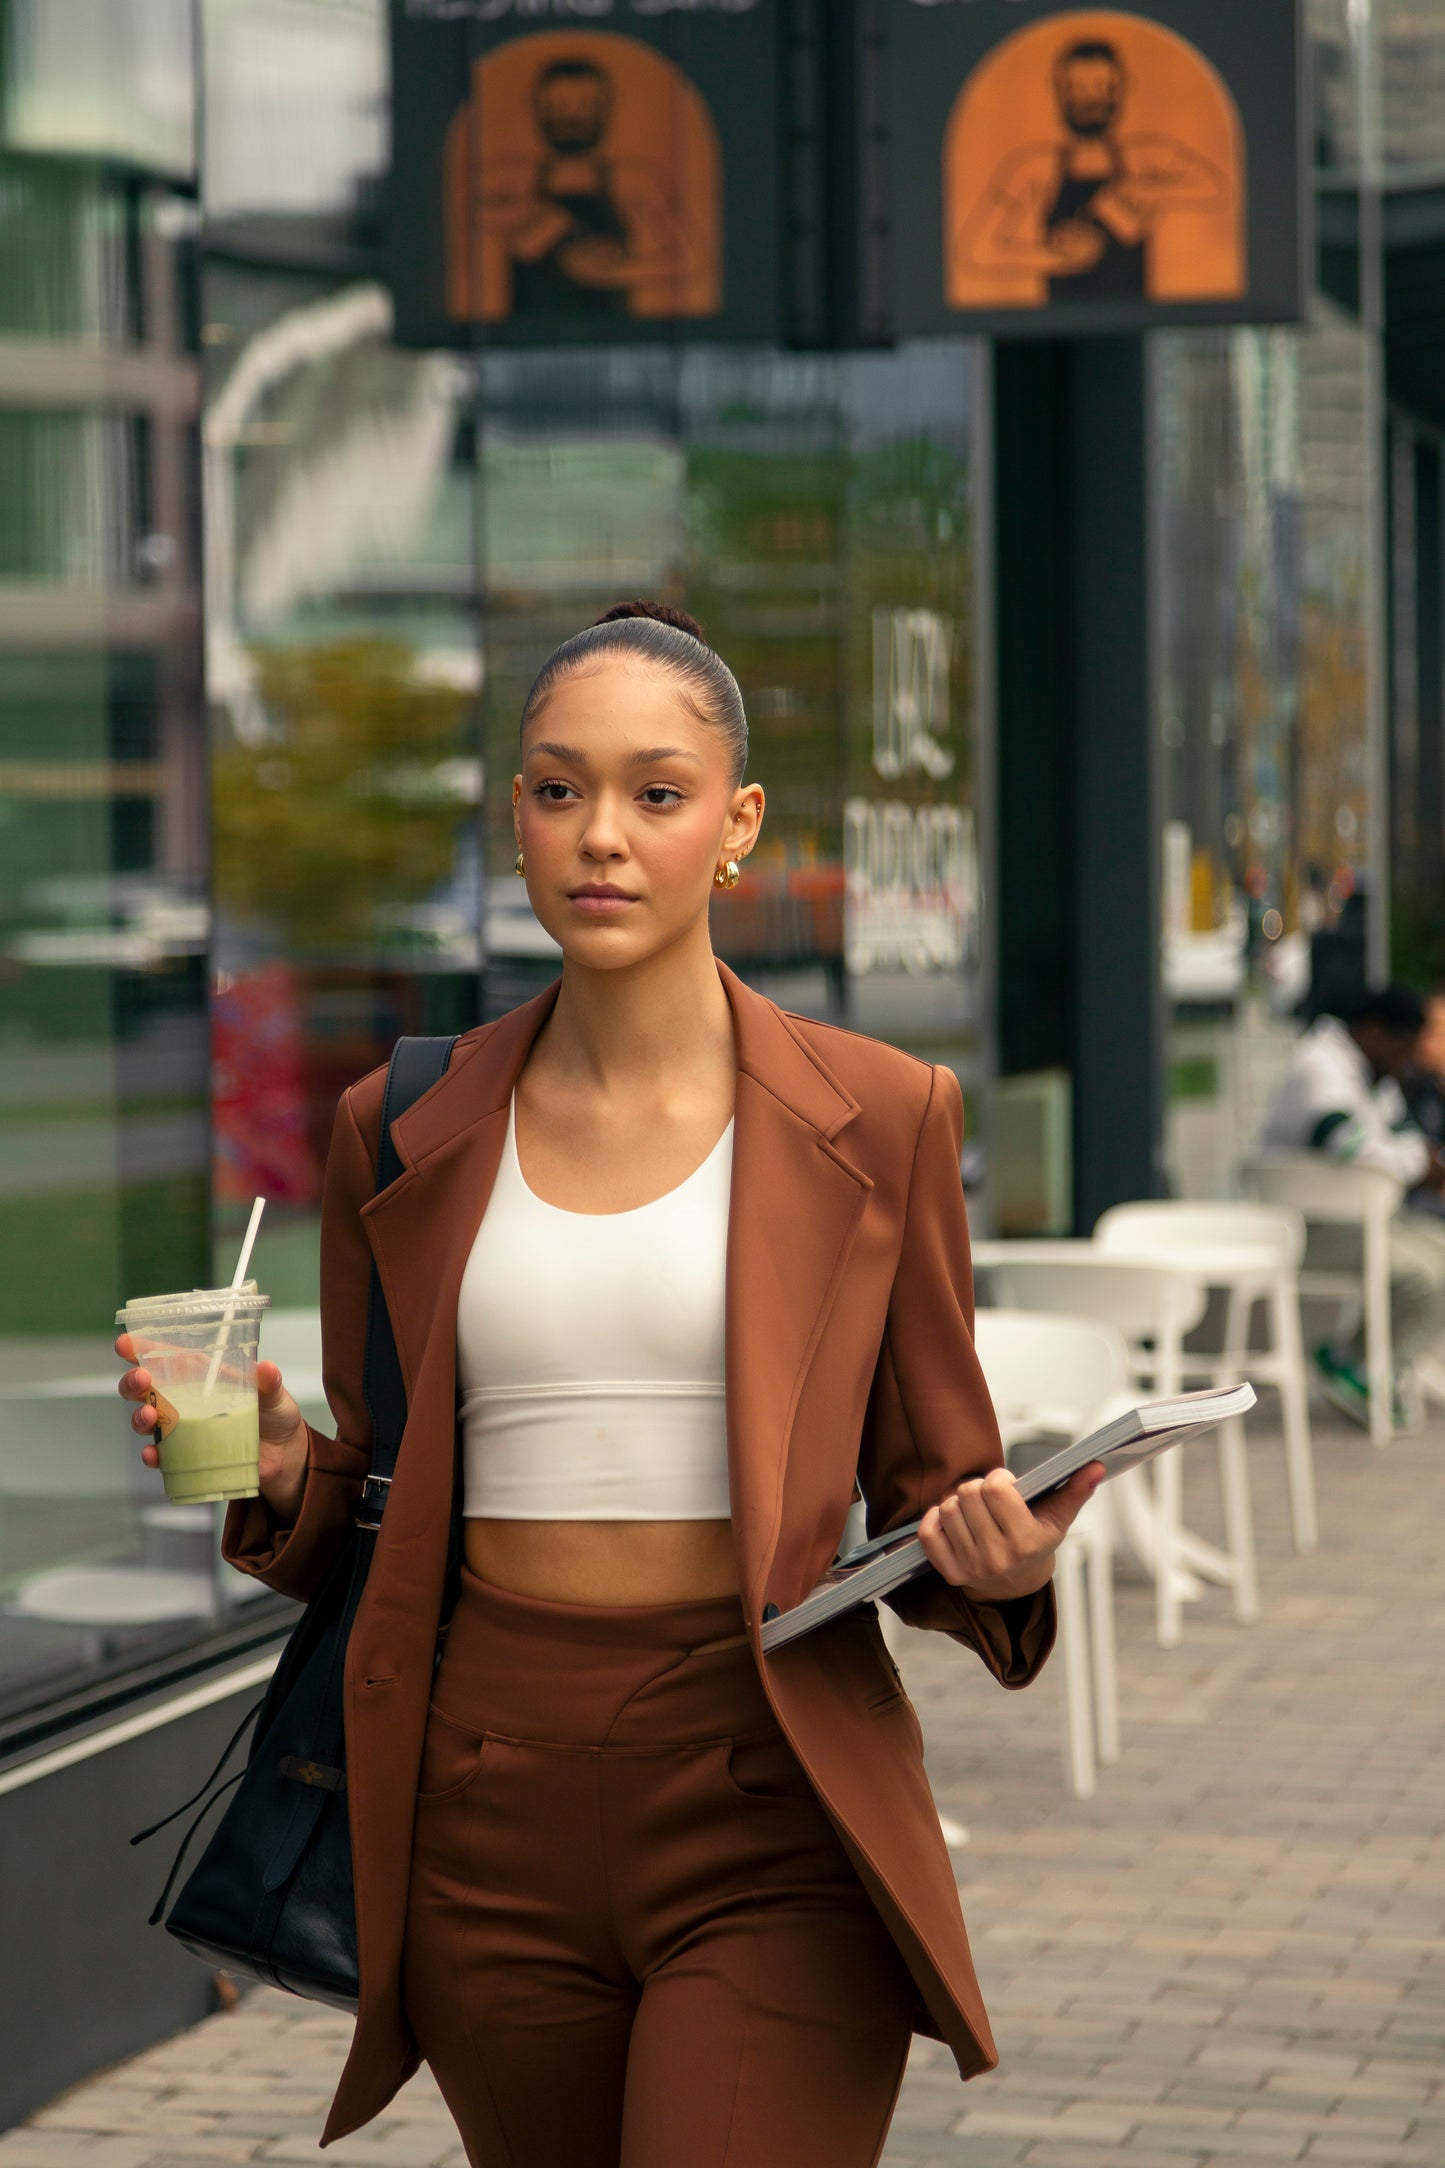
(238,1279)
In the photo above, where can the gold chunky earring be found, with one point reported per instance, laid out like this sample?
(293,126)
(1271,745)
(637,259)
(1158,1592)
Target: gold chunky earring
(727,876)
(521,869)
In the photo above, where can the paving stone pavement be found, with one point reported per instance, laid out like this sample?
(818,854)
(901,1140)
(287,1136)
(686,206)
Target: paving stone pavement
(1232,1955)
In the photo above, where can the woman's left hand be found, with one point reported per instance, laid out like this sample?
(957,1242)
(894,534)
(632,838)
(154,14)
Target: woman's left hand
(984,1539)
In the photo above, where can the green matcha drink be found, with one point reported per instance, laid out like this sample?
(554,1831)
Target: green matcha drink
(212,1454)
(200,1350)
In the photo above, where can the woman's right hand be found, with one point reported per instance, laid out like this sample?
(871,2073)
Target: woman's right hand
(284,1441)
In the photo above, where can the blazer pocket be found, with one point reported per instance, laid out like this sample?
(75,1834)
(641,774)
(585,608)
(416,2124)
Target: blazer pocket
(891,1709)
(450,1759)
(888,1691)
(861,1658)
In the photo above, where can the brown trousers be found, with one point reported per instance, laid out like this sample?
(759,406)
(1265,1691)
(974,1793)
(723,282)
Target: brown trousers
(633,1938)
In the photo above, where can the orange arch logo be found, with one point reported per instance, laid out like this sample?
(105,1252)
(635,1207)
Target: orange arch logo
(1093,157)
(583,178)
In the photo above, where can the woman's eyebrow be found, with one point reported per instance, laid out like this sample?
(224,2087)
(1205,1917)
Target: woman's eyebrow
(559,752)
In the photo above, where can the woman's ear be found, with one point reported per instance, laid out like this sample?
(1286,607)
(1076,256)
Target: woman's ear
(745,821)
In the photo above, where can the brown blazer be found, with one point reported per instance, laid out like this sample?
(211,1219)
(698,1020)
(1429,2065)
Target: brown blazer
(849,1352)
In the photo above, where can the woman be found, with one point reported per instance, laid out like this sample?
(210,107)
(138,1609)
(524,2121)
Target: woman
(637,1894)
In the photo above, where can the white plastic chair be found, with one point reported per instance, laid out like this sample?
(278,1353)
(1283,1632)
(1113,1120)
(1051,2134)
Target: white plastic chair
(1331,1193)
(1253,1251)
(1068,1375)
(1154,1306)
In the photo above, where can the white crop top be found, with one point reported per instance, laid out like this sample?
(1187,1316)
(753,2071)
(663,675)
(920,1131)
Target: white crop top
(590,1354)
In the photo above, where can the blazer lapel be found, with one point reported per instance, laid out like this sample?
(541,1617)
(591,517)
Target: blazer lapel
(795,1207)
(421,1228)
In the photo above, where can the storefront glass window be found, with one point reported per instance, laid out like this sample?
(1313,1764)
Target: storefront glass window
(1264,599)
(1412,89)
(345,779)
(104,1177)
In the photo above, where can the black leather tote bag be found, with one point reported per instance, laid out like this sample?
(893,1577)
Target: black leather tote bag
(271,1896)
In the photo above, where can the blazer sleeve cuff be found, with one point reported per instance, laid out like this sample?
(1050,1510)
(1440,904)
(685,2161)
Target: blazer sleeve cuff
(1013,1638)
(292,1559)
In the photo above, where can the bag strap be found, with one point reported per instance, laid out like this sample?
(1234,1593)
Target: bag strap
(415,1065)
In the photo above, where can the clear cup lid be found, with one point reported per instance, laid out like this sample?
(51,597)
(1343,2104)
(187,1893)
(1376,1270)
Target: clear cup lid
(201,1306)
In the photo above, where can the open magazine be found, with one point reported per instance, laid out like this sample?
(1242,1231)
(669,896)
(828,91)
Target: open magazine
(1131,1439)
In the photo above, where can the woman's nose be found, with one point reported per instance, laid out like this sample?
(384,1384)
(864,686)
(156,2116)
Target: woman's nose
(603,836)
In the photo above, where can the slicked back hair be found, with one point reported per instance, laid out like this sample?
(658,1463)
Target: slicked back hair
(670,640)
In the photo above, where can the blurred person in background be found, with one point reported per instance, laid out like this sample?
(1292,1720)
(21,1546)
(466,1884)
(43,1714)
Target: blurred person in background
(1342,1096)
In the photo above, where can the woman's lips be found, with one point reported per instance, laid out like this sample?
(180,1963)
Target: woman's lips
(603,905)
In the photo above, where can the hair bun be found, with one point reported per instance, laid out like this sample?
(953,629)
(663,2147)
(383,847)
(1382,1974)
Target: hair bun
(662,613)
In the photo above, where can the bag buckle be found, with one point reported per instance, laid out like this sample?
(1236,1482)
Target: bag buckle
(372,1503)
(319,1774)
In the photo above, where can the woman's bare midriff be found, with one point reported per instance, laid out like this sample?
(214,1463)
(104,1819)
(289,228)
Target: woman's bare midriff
(604,1562)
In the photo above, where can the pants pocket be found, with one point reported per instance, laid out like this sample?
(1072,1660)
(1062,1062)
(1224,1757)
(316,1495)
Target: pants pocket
(765,1769)
(451,1758)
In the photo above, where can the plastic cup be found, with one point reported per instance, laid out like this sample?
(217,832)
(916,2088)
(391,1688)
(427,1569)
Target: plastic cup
(209,1431)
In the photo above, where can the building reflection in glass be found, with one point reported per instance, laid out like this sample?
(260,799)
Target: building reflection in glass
(104,1174)
(1263,611)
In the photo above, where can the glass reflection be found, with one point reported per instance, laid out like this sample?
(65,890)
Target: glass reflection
(342,661)
(103,916)
(1264,590)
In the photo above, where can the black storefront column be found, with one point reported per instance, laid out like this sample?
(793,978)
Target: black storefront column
(1118,998)
(1429,808)
(1079,829)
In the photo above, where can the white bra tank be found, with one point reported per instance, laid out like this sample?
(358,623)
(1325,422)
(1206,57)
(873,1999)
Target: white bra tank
(590,1354)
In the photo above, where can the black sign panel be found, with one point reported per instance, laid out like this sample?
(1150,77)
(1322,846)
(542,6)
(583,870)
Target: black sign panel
(568,170)
(1060,170)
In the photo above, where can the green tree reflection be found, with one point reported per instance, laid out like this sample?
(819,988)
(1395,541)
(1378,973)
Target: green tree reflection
(350,808)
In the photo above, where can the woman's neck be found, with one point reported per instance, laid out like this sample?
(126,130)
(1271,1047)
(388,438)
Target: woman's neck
(648,1029)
